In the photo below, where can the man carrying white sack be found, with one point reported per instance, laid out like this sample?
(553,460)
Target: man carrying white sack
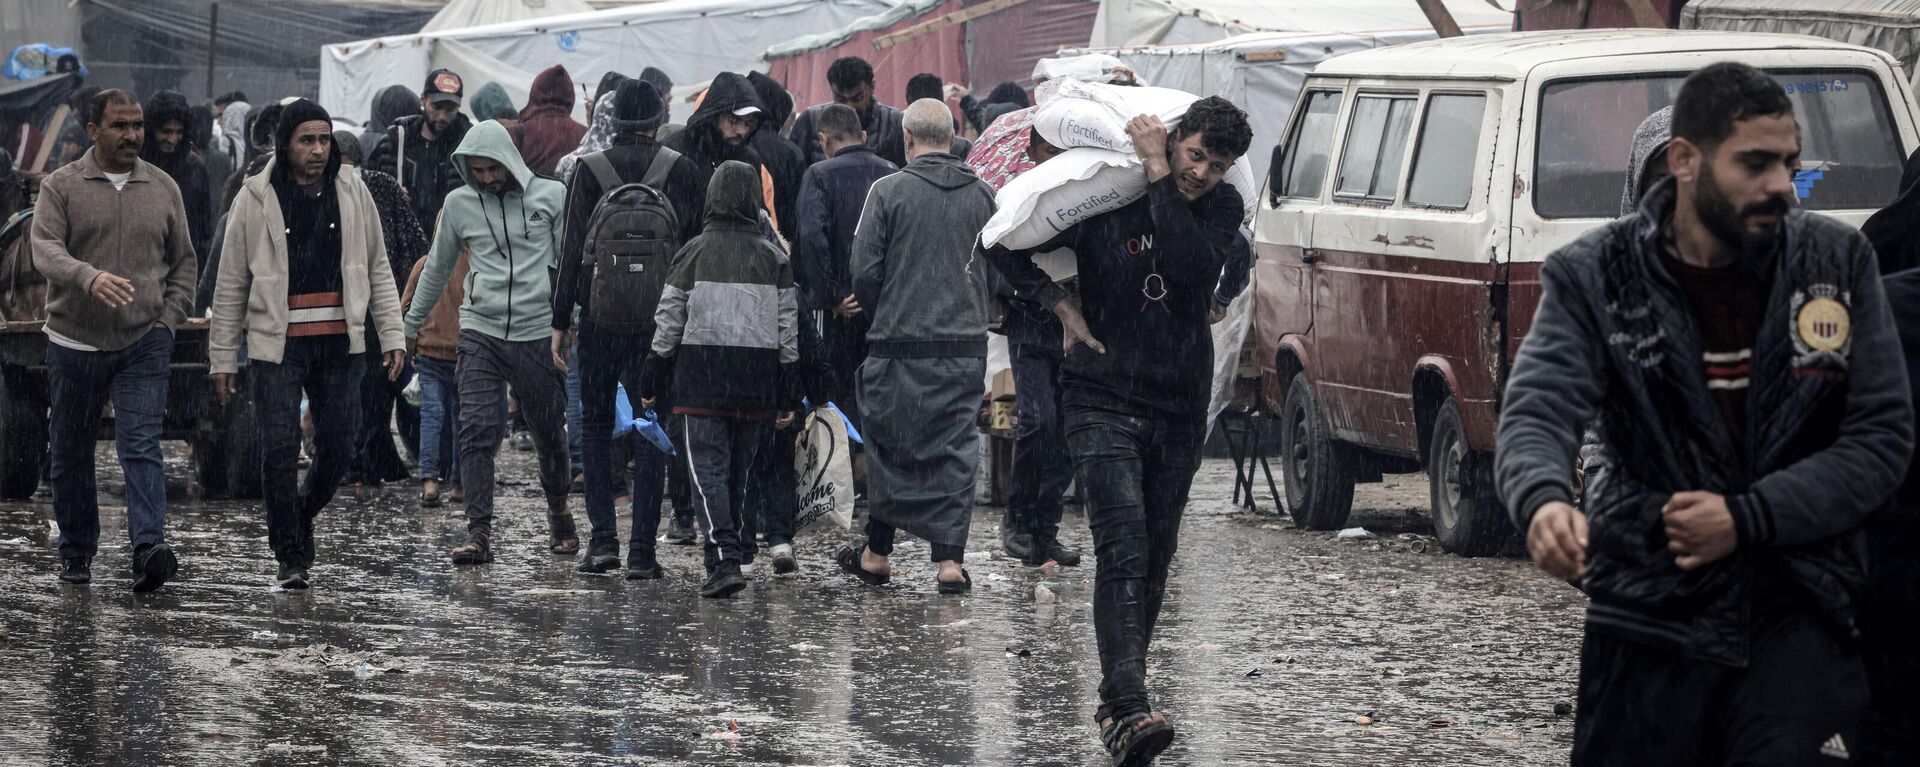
(1136,410)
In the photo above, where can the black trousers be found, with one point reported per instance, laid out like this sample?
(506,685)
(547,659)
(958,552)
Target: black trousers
(720,451)
(607,360)
(773,498)
(320,367)
(1799,701)
(1135,467)
(1042,468)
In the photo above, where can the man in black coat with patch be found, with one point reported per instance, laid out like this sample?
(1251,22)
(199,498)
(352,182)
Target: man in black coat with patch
(418,150)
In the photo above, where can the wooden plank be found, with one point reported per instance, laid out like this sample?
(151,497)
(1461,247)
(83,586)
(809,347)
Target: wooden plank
(1440,18)
(1644,14)
(961,16)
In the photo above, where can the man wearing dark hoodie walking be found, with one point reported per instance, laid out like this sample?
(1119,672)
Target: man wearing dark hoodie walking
(611,351)
(304,269)
(914,270)
(727,337)
(418,150)
(510,222)
(169,120)
(547,131)
(722,129)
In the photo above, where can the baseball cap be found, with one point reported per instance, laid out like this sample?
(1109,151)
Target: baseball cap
(746,110)
(443,86)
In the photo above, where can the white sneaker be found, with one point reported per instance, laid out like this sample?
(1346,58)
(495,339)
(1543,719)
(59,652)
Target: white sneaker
(783,561)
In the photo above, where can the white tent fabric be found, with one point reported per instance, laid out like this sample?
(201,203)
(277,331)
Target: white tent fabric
(691,40)
(1171,22)
(1889,25)
(461,14)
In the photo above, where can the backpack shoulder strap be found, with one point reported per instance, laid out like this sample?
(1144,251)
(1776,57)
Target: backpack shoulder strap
(663,161)
(603,171)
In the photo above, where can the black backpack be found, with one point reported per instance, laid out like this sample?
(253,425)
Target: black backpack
(630,243)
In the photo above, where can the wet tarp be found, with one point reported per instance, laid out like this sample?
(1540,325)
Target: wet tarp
(1889,25)
(1167,22)
(978,43)
(33,99)
(691,40)
(461,14)
(266,48)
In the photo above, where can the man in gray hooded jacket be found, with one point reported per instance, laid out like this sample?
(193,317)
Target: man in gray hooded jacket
(915,272)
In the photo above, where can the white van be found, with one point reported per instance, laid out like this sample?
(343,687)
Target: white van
(1418,189)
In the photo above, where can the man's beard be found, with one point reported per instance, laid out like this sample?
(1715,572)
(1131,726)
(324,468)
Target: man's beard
(440,126)
(1730,226)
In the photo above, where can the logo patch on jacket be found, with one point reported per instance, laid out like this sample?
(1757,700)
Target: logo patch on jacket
(1822,328)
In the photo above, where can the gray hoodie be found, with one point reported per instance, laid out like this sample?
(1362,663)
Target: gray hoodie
(914,270)
(1649,143)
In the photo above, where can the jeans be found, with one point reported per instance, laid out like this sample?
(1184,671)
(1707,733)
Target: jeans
(1042,468)
(720,451)
(439,420)
(321,367)
(604,361)
(81,383)
(1135,467)
(487,367)
(773,499)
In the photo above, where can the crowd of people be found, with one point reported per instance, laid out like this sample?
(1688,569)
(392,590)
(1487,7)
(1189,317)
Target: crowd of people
(725,274)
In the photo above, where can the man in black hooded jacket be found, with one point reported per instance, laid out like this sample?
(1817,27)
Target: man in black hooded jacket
(169,120)
(785,162)
(722,129)
(418,149)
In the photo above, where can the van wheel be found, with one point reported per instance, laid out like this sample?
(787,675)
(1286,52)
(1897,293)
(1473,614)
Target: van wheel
(1318,470)
(23,436)
(1467,516)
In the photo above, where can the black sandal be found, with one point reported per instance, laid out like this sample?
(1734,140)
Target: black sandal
(1135,739)
(478,552)
(564,540)
(849,559)
(956,587)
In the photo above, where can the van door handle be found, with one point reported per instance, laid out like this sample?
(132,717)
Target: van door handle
(1309,255)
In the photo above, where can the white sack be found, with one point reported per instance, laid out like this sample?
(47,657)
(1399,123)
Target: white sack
(1038,205)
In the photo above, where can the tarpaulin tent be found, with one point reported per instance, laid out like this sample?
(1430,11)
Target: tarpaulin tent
(977,43)
(461,14)
(1889,25)
(691,40)
(1168,22)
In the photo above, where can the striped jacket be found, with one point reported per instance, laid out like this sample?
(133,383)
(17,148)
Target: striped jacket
(727,330)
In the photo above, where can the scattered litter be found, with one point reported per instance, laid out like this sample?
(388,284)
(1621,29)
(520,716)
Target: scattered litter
(730,732)
(14,542)
(1019,652)
(1354,533)
(1363,719)
(1332,576)
(1285,659)
(996,577)
(1562,709)
(1439,722)
(805,647)
(1254,673)
(1044,595)
(1391,671)
(263,635)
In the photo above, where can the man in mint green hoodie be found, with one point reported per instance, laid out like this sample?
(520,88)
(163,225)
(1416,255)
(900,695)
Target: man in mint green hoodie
(511,223)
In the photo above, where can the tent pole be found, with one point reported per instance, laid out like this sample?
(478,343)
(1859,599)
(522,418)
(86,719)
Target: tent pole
(1440,17)
(213,41)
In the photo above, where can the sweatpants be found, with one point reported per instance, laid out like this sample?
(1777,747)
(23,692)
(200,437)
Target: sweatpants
(321,368)
(1135,467)
(1799,701)
(721,453)
(487,367)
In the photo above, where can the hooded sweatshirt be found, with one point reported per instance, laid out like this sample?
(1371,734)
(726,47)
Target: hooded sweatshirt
(490,101)
(233,134)
(785,162)
(183,164)
(701,140)
(914,268)
(512,239)
(1649,143)
(547,131)
(392,103)
(728,323)
(598,137)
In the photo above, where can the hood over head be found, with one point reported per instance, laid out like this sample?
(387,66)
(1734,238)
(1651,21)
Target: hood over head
(733,196)
(552,93)
(299,112)
(1009,93)
(490,101)
(1649,143)
(942,170)
(491,140)
(393,103)
(728,93)
(200,130)
(637,108)
(599,136)
(233,122)
(663,84)
(774,98)
(608,82)
(159,109)
(260,132)
(346,143)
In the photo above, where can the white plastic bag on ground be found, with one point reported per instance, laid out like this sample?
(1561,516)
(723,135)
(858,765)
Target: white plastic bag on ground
(824,468)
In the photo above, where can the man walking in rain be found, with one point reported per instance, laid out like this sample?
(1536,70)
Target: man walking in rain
(511,222)
(914,270)
(1137,381)
(304,268)
(110,234)
(1752,392)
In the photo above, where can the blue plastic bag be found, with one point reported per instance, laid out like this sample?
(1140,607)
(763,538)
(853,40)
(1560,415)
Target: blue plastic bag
(853,435)
(648,425)
(37,60)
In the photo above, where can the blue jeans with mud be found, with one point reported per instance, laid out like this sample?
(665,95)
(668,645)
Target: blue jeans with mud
(1135,467)
(322,368)
(80,384)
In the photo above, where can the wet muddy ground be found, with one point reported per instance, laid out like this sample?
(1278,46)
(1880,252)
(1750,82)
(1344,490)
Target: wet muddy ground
(1273,641)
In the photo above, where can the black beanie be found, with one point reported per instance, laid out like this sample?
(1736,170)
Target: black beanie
(291,118)
(637,107)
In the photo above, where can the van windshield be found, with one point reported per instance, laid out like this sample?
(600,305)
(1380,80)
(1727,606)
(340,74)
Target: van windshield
(1850,150)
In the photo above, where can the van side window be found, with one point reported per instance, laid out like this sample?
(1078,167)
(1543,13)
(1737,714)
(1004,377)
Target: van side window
(1443,173)
(1305,167)
(1376,148)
